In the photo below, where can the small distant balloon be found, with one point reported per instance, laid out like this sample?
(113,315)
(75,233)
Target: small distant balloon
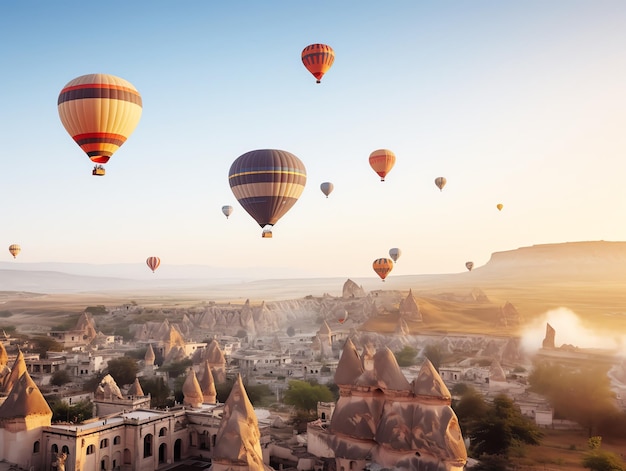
(395,253)
(440,182)
(499,206)
(318,58)
(14,249)
(382,267)
(382,161)
(227,210)
(153,263)
(327,188)
(469,265)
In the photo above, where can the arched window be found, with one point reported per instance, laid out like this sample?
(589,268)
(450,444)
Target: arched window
(104,443)
(117,440)
(36,447)
(163,432)
(91,449)
(65,450)
(54,448)
(147,445)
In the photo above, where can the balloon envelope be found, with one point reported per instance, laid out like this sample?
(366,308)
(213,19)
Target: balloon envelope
(100,112)
(327,188)
(267,183)
(153,263)
(14,249)
(395,253)
(227,210)
(382,267)
(440,182)
(318,58)
(469,265)
(382,161)
(500,206)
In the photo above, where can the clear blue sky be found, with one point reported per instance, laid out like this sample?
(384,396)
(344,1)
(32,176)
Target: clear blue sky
(519,103)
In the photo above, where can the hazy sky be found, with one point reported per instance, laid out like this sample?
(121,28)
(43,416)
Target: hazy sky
(519,103)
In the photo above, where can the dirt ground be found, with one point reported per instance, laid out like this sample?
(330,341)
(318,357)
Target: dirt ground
(563,450)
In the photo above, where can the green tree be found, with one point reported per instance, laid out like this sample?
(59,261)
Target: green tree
(158,390)
(583,395)
(304,396)
(599,460)
(176,368)
(43,344)
(470,409)
(502,427)
(123,369)
(60,377)
(406,357)
(434,353)
(77,413)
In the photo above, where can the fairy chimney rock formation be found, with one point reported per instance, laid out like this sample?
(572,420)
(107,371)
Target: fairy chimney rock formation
(238,439)
(409,309)
(108,389)
(207,385)
(25,407)
(135,389)
(548,341)
(352,290)
(18,369)
(381,418)
(192,393)
(149,357)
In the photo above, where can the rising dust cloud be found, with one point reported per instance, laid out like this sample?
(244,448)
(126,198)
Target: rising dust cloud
(569,330)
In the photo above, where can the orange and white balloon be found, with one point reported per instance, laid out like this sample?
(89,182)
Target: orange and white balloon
(382,161)
(153,263)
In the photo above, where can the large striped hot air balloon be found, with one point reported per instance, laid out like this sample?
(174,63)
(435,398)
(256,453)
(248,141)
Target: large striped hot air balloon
(382,267)
(382,161)
(267,183)
(14,249)
(318,58)
(153,263)
(100,112)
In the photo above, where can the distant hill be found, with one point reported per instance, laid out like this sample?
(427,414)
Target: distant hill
(573,262)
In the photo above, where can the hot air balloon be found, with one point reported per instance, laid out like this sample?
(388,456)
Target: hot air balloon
(469,265)
(318,58)
(499,206)
(267,183)
(153,263)
(395,253)
(100,112)
(440,182)
(327,188)
(382,161)
(15,249)
(382,267)
(227,210)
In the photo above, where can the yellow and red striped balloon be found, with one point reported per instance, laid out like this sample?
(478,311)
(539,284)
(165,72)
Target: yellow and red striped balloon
(15,249)
(100,112)
(382,267)
(318,58)
(153,263)
(382,161)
